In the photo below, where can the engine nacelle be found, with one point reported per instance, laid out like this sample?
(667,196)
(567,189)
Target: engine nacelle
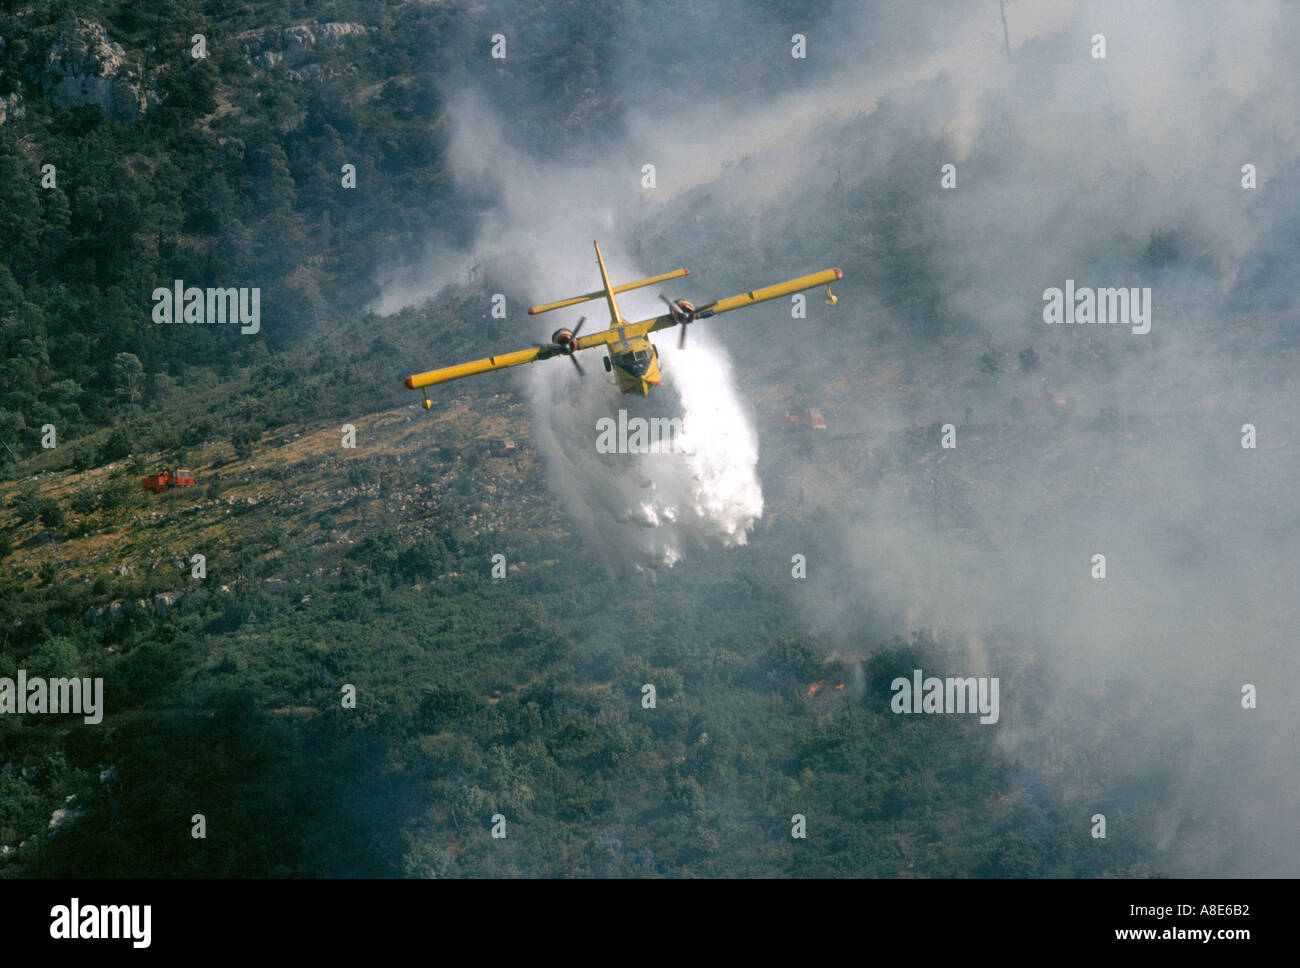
(563,337)
(681,311)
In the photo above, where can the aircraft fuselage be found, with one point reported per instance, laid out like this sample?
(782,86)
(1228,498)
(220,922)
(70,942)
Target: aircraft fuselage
(635,364)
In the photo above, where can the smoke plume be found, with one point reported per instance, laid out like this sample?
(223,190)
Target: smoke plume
(638,510)
(1123,170)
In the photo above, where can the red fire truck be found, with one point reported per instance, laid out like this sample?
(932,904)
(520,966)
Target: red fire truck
(166,478)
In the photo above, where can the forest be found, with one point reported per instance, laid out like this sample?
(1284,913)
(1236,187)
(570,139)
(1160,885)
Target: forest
(370,572)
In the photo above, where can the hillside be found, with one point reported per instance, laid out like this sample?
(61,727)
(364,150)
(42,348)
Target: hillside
(388,649)
(522,695)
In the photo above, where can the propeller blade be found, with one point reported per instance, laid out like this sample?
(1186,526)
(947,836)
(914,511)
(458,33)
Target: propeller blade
(578,329)
(673,309)
(574,360)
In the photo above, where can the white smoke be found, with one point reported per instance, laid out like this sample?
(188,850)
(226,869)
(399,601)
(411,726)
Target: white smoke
(639,510)
(1063,158)
(645,510)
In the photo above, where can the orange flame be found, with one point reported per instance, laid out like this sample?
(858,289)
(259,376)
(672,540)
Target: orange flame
(815,688)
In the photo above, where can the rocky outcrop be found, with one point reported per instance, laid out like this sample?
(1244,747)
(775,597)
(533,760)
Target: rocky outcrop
(186,600)
(164,602)
(11,107)
(62,815)
(83,65)
(270,46)
(294,47)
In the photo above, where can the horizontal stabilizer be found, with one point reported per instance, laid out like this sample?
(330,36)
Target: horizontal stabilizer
(600,293)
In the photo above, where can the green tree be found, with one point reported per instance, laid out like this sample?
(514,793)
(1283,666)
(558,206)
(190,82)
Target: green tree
(50,514)
(128,376)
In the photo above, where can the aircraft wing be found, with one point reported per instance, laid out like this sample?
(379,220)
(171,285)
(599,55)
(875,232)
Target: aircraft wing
(622,332)
(823,278)
(479,366)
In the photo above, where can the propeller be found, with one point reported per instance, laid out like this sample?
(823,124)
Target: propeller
(683,316)
(566,345)
(573,342)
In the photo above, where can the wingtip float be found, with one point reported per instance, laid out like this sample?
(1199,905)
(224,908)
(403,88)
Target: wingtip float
(630,355)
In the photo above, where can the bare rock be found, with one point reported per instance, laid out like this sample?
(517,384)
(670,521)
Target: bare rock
(164,602)
(11,106)
(269,47)
(83,65)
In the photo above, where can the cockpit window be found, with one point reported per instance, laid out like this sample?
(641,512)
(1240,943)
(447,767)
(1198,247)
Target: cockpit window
(635,362)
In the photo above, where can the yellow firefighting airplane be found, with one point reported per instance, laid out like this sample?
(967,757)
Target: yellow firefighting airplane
(631,357)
